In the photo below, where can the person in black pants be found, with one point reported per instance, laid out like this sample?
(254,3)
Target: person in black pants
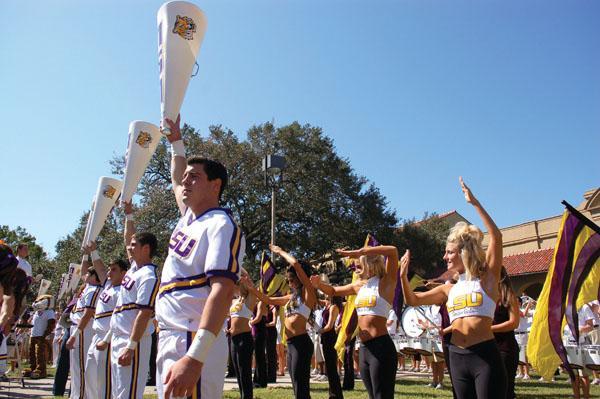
(348,384)
(259,327)
(271,344)
(328,339)
(64,362)
(298,310)
(506,320)
(374,289)
(242,344)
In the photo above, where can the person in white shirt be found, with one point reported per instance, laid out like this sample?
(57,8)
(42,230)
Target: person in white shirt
(43,321)
(203,264)
(22,254)
(585,325)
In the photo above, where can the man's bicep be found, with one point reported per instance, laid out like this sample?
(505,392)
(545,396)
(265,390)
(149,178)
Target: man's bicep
(225,249)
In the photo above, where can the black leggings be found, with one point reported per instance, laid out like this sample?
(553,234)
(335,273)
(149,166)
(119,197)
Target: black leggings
(300,351)
(260,359)
(378,364)
(478,371)
(349,365)
(271,354)
(335,387)
(511,362)
(241,348)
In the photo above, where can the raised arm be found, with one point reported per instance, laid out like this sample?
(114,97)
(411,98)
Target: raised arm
(389,251)
(493,254)
(277,301)
(178,161)
(129,230)
(310,291)
(99,266)
(411,298)
(344,290)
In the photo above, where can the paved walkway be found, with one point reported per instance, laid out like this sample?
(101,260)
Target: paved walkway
(43,388)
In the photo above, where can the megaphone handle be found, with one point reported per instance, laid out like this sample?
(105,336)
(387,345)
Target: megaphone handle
(197,69)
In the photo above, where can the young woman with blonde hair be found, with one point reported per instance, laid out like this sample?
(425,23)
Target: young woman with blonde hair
(477,369)
(374,295)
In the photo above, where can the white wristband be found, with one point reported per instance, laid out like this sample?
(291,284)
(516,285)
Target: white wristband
(202,343)
(86,258)
(107,336)
(178,149)
(95,255)
(129,217)
(131,344)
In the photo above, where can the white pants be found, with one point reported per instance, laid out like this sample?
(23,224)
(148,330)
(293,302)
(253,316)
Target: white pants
(77,356)
(129,382)
(172,346)
(98,370)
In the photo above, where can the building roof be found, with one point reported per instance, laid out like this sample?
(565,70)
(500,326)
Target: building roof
(537,261)
(529,262)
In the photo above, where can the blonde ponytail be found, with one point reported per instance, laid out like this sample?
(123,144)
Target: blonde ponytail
(469,239)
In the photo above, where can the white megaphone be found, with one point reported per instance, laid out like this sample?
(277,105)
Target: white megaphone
(181,28)
(143,140)
(107,195)
(88,224)
(63,286)
(73,277)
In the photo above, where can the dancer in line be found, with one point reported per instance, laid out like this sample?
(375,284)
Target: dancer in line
(477,368)
(242,344)
(298,308)
(374,294)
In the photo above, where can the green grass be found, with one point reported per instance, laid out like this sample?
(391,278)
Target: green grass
(415,388)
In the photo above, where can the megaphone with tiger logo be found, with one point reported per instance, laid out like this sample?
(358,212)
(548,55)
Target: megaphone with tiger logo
(181,28)
(143,140)
(107,194)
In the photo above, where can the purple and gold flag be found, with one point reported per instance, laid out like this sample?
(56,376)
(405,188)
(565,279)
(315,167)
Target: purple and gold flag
(573,280)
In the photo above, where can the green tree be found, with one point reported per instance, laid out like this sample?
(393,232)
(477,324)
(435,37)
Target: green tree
(321,202)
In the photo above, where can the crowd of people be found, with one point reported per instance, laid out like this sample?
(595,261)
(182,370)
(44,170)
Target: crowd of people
(183,326)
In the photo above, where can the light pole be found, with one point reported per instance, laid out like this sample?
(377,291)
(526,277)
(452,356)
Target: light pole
(273,165)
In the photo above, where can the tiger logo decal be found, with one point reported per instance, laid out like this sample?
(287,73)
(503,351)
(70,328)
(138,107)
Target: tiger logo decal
(144,139)
(184,27)
(109,191)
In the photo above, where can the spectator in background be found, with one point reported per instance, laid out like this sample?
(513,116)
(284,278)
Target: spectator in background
(43,325)
(22,255)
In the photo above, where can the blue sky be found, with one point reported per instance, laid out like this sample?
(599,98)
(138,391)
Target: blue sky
(413,93)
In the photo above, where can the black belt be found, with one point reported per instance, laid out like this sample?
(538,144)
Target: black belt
(521,332)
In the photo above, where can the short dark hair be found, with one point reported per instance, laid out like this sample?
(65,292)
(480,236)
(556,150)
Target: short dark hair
(213,169)
(93,272)
(146,238)
(21,245)
(123,265)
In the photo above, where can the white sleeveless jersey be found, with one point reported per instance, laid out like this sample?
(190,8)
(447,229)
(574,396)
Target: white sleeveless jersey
(87,300)
(104,308)
(239,309)
(369,302)
(468,298)
(138,291)
(210,245)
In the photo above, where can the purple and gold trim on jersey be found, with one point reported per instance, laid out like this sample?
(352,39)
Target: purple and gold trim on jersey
(235,245)
(128,306)
(103,314)
(183,283)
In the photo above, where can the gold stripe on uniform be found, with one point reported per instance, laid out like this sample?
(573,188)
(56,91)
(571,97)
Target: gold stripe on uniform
(178,284)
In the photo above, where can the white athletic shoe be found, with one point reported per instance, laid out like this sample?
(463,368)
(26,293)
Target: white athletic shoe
(439,386)
(314,372)
(526,377)
(519,376)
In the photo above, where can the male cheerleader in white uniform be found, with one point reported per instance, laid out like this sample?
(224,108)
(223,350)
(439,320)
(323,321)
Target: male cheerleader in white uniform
(81,330)
(97,366)
(131,325)
(198,278)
